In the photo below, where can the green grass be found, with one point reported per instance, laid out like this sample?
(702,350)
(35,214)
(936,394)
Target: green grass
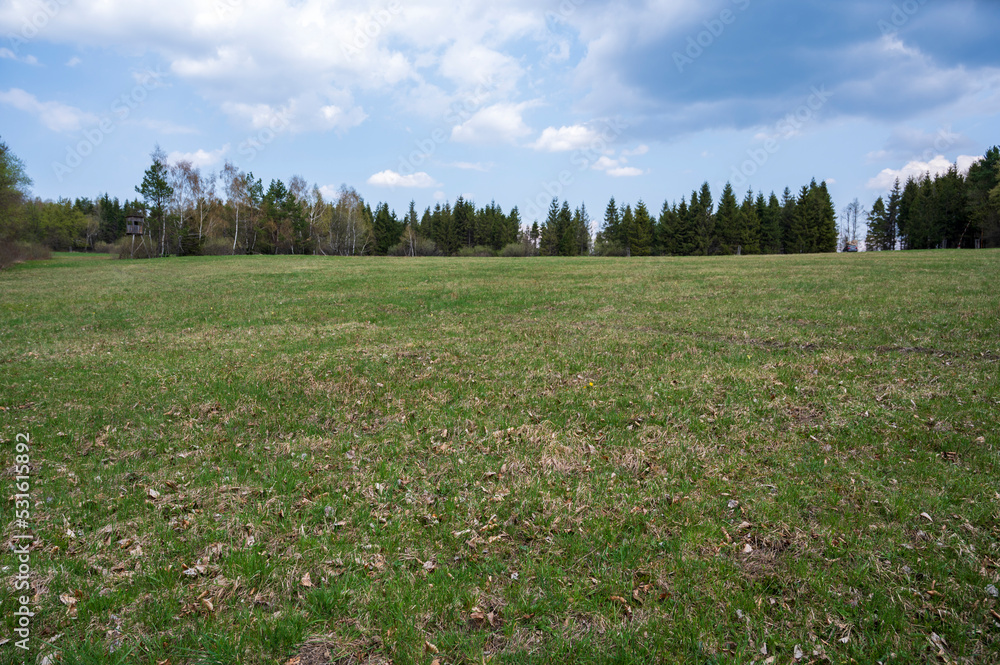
(516,461)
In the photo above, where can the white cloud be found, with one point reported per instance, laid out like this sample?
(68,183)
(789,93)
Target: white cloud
(605,163)
(472,166)
(74,61)
(915,169)
(625,172)
(199,158)
(55,115)
(565,139)
(830,181)
(7,54)
(166,127)
(636,152)
(390,178)
(244,54)
(499,123)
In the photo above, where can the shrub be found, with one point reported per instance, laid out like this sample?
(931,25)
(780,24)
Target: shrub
(420,247)
(217,247)
(517,249)
(143,248)
(478,250)
(12,252)
(101,247)
(605,248)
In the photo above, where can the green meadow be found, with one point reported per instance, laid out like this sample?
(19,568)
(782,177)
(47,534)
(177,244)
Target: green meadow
(311,460)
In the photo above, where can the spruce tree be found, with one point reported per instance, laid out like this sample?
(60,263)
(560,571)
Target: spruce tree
(825,222)
(627,228)
(641,236)
(726,222)
(749,225)
(877,239)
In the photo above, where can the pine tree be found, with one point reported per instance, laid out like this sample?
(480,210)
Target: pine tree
(641,237)
(156,191)
(627,228)
(892,216)
(667,229)
(877,239)
(749,225)
(612,231)
(702,212)
(726,222)
(548,240)
(565,232)
(581,230)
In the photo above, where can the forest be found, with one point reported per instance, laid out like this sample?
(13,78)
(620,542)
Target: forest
(188,212)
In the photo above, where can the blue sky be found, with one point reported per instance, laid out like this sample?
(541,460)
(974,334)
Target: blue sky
(515,101)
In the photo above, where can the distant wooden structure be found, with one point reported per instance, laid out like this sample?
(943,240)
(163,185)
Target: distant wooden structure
(134,225)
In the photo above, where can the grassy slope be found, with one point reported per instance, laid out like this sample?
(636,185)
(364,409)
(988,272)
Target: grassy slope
(535,460)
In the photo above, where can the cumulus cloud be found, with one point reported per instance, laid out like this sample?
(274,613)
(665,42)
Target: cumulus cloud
(199,158)
(499,123)
(616,168)
(472,166)
(56,116)
(625,172)
(565,139)
(7,54)
(389,178)
(916,169)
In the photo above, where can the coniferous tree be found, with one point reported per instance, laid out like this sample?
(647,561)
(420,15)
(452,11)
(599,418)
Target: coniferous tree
(612,230)
(565,233)
(641,237)
(892,217)
(627,228)
(878,237)
(581,230)
(548,240)
(726,222)
(749,225)
(156,191)
(825,222)
(667,230)
(983,201)
(702,211)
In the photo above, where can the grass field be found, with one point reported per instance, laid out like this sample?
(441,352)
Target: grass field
(314,460)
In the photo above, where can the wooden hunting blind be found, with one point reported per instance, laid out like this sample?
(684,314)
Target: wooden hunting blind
(134,224)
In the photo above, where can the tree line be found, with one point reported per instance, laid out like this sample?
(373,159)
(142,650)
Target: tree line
(946,210)
(232,212)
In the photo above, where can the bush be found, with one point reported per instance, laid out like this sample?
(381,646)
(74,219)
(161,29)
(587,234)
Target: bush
(421,247)
(517,249)
(12,252)
(604,248)
(217,247)
(101,247)
(143,249)
(478,250)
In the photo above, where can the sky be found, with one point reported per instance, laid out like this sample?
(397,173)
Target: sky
(515,102)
